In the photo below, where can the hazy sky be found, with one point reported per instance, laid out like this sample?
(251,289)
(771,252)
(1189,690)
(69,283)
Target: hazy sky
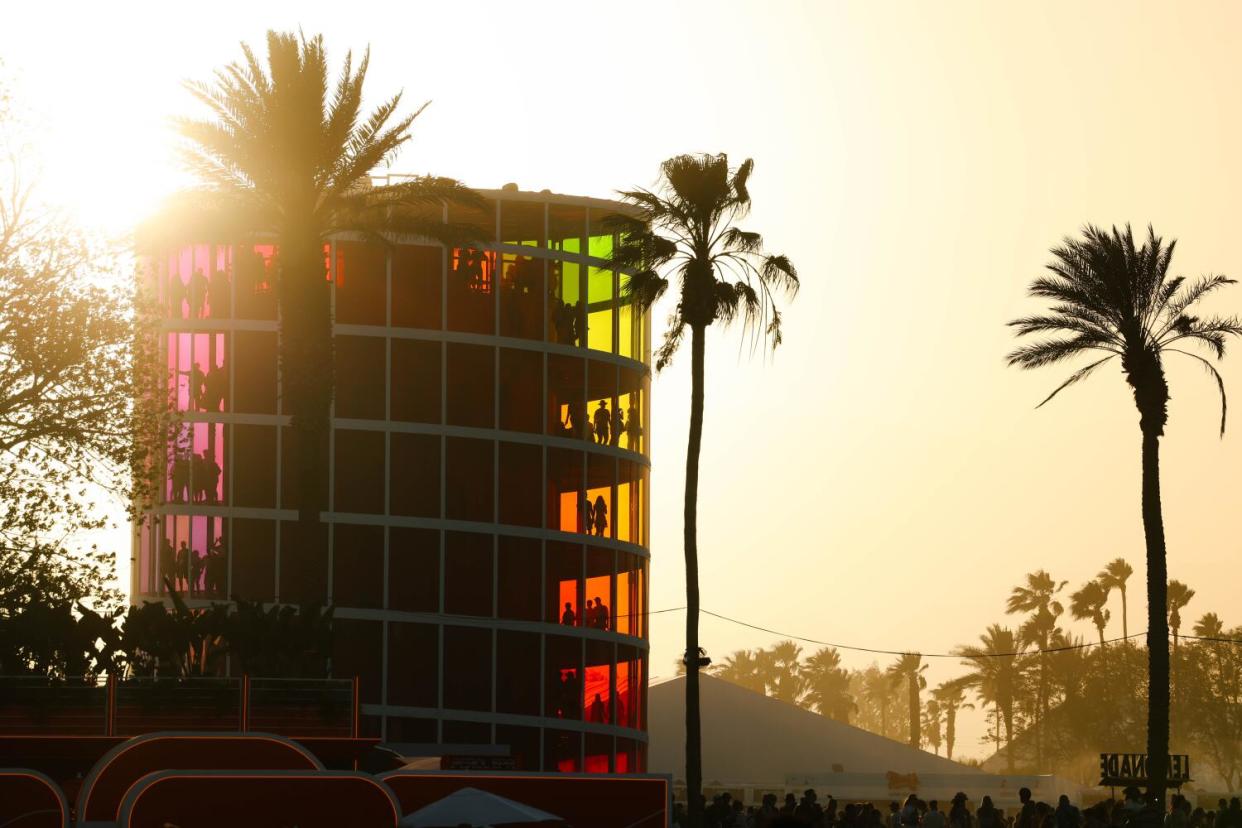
(884,480)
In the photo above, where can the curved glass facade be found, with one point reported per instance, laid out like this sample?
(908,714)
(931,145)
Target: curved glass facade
(485,544)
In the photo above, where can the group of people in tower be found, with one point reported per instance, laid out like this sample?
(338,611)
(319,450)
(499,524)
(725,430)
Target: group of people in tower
(202,297)
(207,389)
(605,427)
(195,477)
(186,570)
(596,616)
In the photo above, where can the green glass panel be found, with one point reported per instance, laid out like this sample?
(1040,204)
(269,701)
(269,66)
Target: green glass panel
(600,247)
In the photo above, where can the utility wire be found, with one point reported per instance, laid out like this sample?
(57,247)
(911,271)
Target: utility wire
(973,655)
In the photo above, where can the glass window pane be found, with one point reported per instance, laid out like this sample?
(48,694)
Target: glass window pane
(254,289)
(471,385)
(357,650)
(361,283)
(567,416)
(413,569)
(466,733)
(629,687)
(254,452)
(562,750)
(519,568)
(360,369)
(413,665)
(523,743)
(566,227)
(291,470)
(597,682)
(600,296)
(415,381)
(192,550)
(303,562)
(627,516)
(254,383)
(467,669)
(564,584)
(599,750)
(629,593)
(472,291)
(468,574)
(517,671)
(601,471)
(469,479)
(358,566)
(359,471)
(600,241)
(565,308)
(598,610)
(254,560)
(414,475)
(417,284)
(521,474)
(521,390)
(521,296)
(521,222)
(563,686)
(566,501)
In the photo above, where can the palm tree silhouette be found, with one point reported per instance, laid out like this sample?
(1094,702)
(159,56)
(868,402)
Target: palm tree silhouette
(878,688)
(932,716)
(782,671)
(1088,604)
(742,668)
(996,676)
(687,229)
(951,696)
(909,667)
(828,685)
(1114,576)
(1116,298)
(287,155)
(1037,598)
(1179,597)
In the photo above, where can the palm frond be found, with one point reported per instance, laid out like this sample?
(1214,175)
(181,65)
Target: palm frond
(1220,383)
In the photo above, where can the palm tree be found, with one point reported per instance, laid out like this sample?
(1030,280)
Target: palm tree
(687,229)
(1209,626)
(781,670)
(1088,603)
(909,668)
(741,667)
(932,716)
(995,676)
(877,689)
(287,155)
(1038,598)
(1179,596)
(1114,576)
(951,697)
(1116,298)
(828,685)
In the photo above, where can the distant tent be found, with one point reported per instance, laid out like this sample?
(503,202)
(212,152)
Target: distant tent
(480,809)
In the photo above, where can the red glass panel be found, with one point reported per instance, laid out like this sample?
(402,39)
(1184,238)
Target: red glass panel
(599,750)
(471,291)
(521,297)
(417,285)
(561,751)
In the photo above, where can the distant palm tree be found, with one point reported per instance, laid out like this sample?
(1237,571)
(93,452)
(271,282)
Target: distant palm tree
(290,156)
(1209,626)
(951,696)
(740,667)
(828,685)
(1038,598)
(1088,604)
(1114,297)
(1179,597)
(1114,576)
(909,668)
(932,716)
(781,670)
(995,676)
(878,689)
(687,230)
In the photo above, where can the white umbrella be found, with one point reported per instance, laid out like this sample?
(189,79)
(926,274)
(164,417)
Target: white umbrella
(471,806)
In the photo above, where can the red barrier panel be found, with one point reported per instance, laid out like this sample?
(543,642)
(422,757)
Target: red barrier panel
(114,774)
(28,799)
(582,800)
(209,799)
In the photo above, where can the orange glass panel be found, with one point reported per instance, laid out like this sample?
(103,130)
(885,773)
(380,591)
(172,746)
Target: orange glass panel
(596,693)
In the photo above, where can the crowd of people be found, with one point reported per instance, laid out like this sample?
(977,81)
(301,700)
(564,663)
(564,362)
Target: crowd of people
(1133,811)
(192,573)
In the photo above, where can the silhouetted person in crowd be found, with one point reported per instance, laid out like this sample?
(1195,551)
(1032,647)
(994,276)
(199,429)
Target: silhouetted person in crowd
(987,815)
(910,811)
(183,566)
(198,294)
(218,294)
(791,805)
(959,814)
(809,810)
(1026,814)
(1066,815)
(600,515)
(602,422)
(197,563)
(180,477)
(567,617)
(933,818)
(894,814)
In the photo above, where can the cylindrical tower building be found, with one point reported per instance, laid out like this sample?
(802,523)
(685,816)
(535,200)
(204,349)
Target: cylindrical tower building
(485,543)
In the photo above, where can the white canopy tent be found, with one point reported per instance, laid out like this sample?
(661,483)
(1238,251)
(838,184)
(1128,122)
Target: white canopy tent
(479,809)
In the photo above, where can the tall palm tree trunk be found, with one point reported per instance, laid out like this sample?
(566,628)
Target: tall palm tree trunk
(694,746)
(1157,621)
(950,730)
(1125,614)
(914,710)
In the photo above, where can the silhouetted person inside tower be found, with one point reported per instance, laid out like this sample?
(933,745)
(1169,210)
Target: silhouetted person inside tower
(573,695)
(600,515)
(567,617)
(215,388)
(217,577)
(218,294)
(197,563)
(602,422)
(577,419)
(209,474)
(588,514)
(176,296)
(180,477)
(198,386)
(168,565)
(601,619)
(597,712)
(183,566)
(618,425)
(633,428)
(198,294)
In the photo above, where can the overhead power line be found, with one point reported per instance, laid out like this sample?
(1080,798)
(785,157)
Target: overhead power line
(979,654)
